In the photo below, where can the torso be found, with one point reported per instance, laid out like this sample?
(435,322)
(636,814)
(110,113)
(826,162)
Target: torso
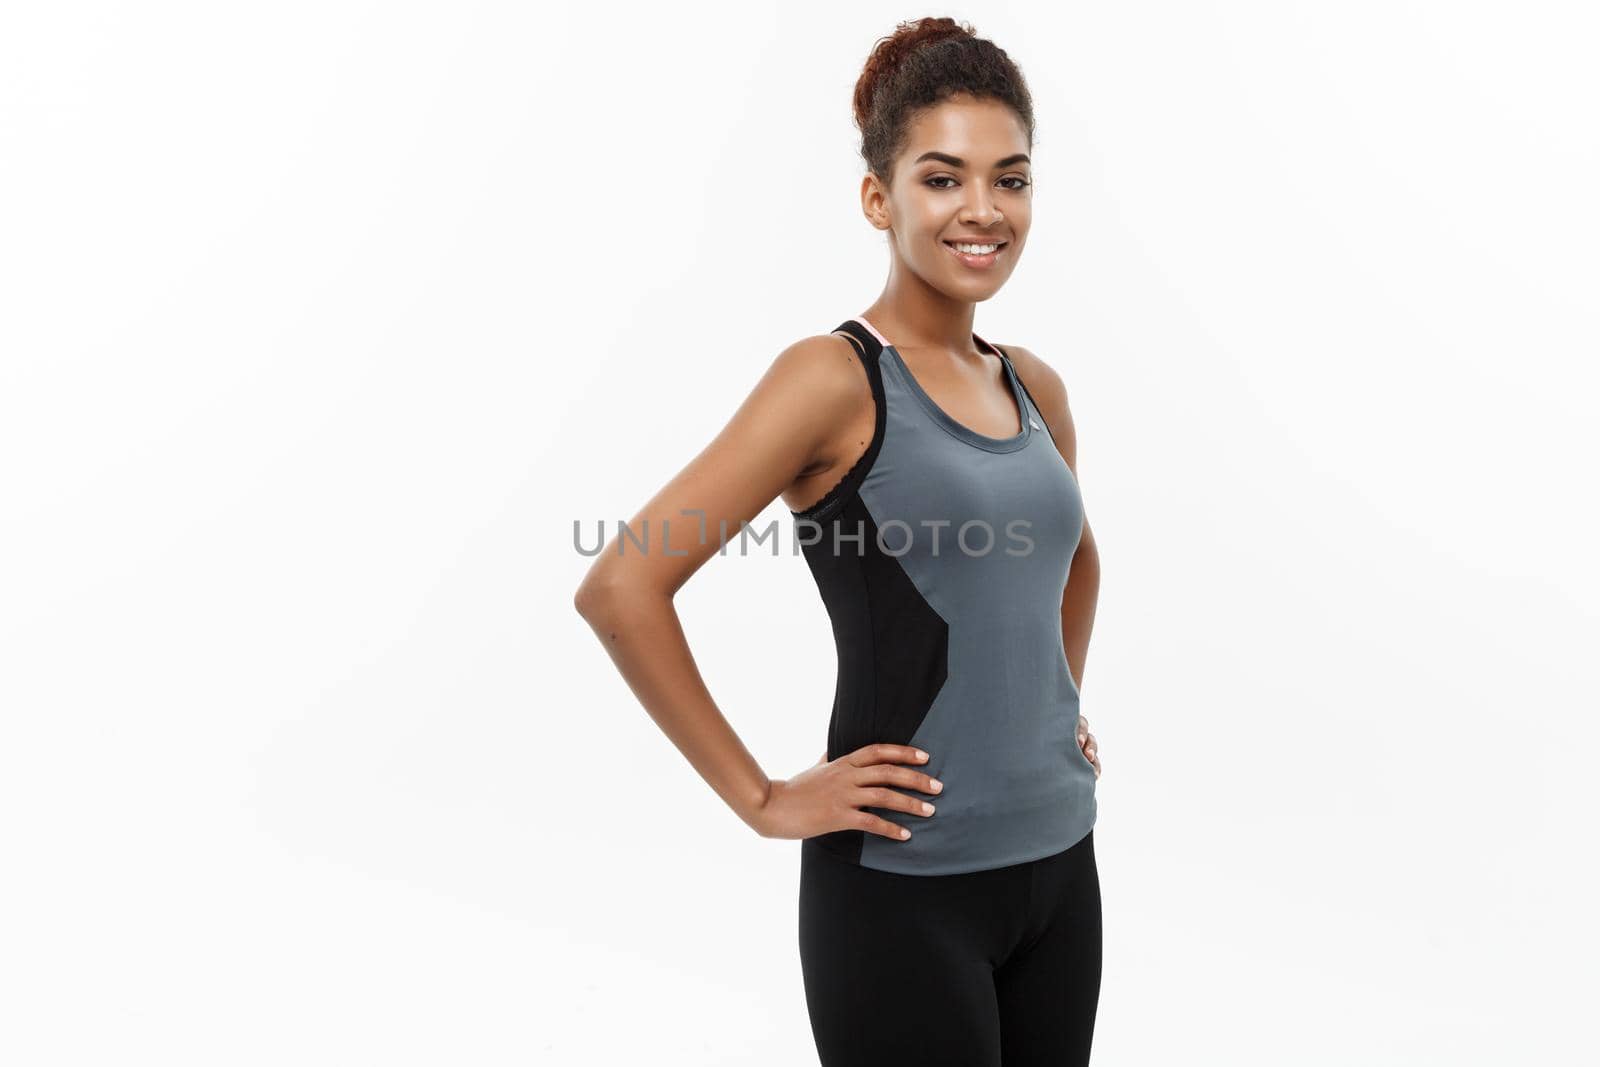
(943,643)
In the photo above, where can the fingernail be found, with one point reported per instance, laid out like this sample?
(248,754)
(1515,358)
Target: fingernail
(921,754)
(904,833)
(935,785)
(927,809)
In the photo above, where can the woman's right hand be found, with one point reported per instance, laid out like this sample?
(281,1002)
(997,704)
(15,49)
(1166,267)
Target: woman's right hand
(830,796)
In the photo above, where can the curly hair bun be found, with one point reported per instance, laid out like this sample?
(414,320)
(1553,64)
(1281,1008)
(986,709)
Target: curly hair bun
(922,63)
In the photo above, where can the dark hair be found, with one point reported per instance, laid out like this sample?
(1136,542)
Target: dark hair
(922,63)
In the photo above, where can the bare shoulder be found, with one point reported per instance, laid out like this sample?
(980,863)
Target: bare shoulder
(821,367)
(824,383)
(814,394)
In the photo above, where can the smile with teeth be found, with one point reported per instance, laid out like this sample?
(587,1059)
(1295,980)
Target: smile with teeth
(974,255)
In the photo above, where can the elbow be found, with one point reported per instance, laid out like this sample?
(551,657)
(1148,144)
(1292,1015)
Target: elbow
(589,599)
(598,596)
(607,594)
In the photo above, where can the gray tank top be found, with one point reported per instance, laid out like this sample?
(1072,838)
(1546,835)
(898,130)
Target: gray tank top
(942,557)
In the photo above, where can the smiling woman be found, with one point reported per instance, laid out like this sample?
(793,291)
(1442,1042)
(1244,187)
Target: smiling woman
(987,244)
(973,934)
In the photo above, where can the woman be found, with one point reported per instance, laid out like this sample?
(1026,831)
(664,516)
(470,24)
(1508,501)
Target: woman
(933,485)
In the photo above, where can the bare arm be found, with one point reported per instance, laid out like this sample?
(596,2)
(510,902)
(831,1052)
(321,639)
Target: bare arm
(807,398)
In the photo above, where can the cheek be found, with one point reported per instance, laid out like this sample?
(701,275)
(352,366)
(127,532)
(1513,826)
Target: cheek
(921,236)
(921,215)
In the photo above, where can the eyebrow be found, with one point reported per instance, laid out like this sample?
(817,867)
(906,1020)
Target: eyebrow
(957,161)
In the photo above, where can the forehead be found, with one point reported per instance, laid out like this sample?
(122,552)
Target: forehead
(979,131)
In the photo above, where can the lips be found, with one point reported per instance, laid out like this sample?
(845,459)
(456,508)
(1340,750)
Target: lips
(977,261)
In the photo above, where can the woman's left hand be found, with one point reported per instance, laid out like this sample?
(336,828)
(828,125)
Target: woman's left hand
(1086,741)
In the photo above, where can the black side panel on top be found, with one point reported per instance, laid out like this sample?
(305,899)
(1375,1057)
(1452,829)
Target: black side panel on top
(893,648)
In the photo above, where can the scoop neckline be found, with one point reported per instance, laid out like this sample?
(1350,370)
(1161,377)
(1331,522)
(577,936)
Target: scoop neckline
(947,422)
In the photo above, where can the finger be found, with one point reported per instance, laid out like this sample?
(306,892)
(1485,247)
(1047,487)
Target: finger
(886,753)
(890,800)
(865,820)
(893,774)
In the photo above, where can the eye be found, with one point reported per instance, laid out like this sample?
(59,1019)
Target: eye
(1022,183)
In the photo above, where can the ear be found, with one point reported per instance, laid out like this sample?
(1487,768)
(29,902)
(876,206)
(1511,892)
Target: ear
(875,202)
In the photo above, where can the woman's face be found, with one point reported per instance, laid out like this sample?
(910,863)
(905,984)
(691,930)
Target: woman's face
(963,177)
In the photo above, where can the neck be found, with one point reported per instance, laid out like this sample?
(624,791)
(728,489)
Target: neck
(910,314)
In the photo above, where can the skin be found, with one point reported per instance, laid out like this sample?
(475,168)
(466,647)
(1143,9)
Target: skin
(805,422)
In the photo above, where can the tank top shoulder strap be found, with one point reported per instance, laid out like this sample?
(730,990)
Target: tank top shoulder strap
(1011,369)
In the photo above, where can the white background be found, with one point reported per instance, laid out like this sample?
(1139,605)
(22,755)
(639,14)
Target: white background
(324,322)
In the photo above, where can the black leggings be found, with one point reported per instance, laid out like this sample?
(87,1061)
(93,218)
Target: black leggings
(969,970)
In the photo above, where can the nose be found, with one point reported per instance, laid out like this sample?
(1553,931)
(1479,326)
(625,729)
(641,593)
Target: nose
(979,209)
